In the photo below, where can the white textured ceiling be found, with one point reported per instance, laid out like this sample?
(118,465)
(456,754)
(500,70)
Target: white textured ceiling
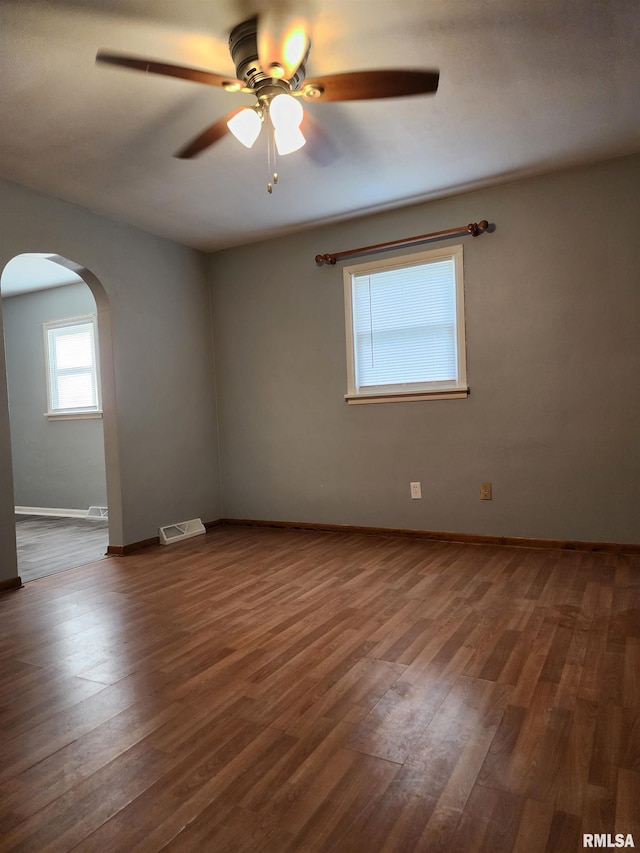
(526,86)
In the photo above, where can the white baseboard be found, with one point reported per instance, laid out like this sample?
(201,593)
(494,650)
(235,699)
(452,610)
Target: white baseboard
(47,510)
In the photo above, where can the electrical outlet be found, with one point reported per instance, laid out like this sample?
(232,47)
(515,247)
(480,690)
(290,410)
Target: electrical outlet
(416,491)
(485,491)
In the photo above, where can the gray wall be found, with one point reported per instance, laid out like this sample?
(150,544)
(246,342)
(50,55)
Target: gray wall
(163,418)
(55,463)
(553,353)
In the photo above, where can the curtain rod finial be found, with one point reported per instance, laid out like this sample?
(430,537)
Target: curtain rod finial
(475,228)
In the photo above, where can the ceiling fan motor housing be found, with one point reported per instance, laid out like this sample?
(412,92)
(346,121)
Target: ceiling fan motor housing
(243,46)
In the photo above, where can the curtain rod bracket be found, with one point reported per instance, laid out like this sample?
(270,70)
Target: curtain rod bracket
(474,228)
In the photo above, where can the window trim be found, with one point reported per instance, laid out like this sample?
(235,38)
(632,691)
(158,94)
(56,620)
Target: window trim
(399,392)
(83,413)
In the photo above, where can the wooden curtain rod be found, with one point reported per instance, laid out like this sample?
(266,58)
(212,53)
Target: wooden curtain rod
(474,228)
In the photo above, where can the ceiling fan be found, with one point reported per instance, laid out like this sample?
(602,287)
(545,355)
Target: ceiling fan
(269,55)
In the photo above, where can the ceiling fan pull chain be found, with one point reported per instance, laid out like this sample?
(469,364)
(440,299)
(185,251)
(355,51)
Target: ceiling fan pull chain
(269,161)
(274,149)
(272,157)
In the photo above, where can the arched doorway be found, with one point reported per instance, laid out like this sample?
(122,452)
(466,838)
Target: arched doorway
(86,474)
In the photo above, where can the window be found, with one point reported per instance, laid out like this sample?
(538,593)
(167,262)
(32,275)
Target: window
(73,382)
(405,328)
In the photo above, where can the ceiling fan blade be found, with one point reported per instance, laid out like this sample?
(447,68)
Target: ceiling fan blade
(168,69)
(283,42)
(367,85)
(207,138)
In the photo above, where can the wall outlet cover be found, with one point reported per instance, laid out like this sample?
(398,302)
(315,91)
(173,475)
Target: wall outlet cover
(485,491)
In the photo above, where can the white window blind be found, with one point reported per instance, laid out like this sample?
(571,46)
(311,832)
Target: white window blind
(72,370)
(406,325)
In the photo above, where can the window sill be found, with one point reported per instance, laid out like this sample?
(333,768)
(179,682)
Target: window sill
(71,416)
(406,396)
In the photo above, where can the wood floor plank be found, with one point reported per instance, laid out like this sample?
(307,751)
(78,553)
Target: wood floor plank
(537,753)
(225,827)
(287,691)
(166,811)
(285,780)
(535,827)
(564,833)
(439,832)
(60,772)
(490,821)
(357,793)
(350,696)
(571,786)
(626,801)
(395,724)
(69,818)
(598,810)
(42,700)
(395,822)
(62,727)
(458,736)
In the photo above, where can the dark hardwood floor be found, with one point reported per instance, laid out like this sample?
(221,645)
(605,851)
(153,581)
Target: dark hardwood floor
(289,691)
(47,545)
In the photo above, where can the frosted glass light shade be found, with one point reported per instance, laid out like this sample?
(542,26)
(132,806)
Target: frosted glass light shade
(288,139)
(286,114)
(245,126)
(286,111)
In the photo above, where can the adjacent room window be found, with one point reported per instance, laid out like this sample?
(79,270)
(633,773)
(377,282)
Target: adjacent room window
(405,328)
(73,380)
